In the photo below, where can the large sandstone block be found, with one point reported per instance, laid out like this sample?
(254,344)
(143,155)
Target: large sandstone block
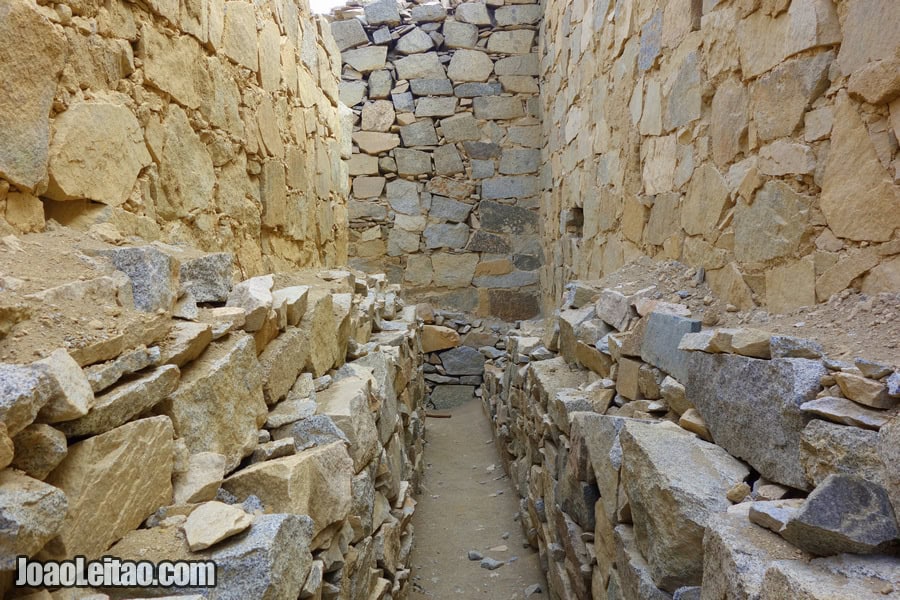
(752,408)
(97,152)
(315,482)
(113,482)
(281,363)
(31,512)
(675,483)
(326,336)
(32,56)
(348,402)
(219,405)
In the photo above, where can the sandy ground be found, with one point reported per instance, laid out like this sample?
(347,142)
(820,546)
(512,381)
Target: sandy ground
(467,503)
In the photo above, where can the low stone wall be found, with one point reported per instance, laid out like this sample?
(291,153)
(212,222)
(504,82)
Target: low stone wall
(446,150)
(754,139)
(211,123)
(656,459)
(237,432)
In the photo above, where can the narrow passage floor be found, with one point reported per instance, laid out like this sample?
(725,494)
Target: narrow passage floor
(468,503)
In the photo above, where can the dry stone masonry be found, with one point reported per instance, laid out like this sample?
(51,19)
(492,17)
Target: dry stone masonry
(277,430)
(755,139)
(211,123)
(657,459)
(446,150)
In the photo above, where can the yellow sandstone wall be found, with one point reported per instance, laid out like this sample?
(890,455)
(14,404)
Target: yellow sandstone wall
(209,123)
(754,138)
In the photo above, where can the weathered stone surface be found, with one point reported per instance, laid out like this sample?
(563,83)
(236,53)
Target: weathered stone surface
(460,35)
(473,12)
(752,408)
(463,360)
(437,337)
(97,152)
(348,403)
(847,412)
(24,390)
(201,480)
(108,498)
(773,226)
(290,303)
(844,576)
(186,169)
(523,14)
(412,162)
(451,396)
(315,482)
(736,554)
(207,277)
(366,60)
(153,275)
(474,90)
(827,448)
(123,403)
(659,346)
(865,391)
(889,452)
(526,64)
(428,13)
(444,235)
(219,406)
(431,87)
(502,218)
(32,56)
(436,107)
(470,65)
(383,12)
(185,342)
(498,107)
(859,200)
(516,41)
(281,363)
(845,513)
(414,41)
(635,581)
(254,295)
(72,393)
(212,522)
(38,450)
(868,34)
(378,116)
(420,66)
(348,34)
(239,38)
(32,513)
(673,497)
(781,96)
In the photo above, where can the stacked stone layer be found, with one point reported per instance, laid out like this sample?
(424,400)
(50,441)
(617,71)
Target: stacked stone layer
(446,150)
(755,139)
(209,123)
(656,459)
(278,431)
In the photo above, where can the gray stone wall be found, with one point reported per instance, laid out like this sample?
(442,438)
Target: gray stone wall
(446,150)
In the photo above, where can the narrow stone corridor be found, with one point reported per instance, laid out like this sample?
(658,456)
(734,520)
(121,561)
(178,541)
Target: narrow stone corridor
(467,503)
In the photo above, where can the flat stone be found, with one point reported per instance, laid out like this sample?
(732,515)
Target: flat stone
(348,34)
(428,13)
(475,90)
(124,402)
(376,143)
(847,412)
(412,162)
(660,343)
(378,116)
(101,509)
(502,218)
(314,482)
(153,275)
(463,361)
(780,97)
(844,576)
(651,41)
(431,87)
(436,107)
(208,278)
(482,241)
(32,513)
(382,12)
(470,65)
(764,397)
(518,161)
(38,450)
(24,390)
(865,391)
(437,337)
(661,482)
(451,396)
(522,14)
(419,133)
(212,522)
(498,107)
(517,41)
(774,514)
(254,295)
(822,526)
(229,373)
(347,403)
(472,12)
(784,346)
(365,60)
(420,66)
(519,186)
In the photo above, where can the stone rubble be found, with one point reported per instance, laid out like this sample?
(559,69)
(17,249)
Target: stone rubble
(651,455)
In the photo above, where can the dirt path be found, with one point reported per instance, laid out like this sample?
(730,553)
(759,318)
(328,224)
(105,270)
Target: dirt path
(468,503)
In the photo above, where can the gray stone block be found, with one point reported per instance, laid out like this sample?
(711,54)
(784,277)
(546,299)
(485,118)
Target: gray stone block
(660,344)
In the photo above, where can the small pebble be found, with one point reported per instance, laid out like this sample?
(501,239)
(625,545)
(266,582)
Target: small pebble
(490,564)
(475,555)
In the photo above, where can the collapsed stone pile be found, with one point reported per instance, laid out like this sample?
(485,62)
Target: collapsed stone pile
(657,459)
(235,432)
(446,152)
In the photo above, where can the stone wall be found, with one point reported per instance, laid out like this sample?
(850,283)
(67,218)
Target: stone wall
(756,139)
(236,432)
(207,123)
(446,150)
(659,460)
